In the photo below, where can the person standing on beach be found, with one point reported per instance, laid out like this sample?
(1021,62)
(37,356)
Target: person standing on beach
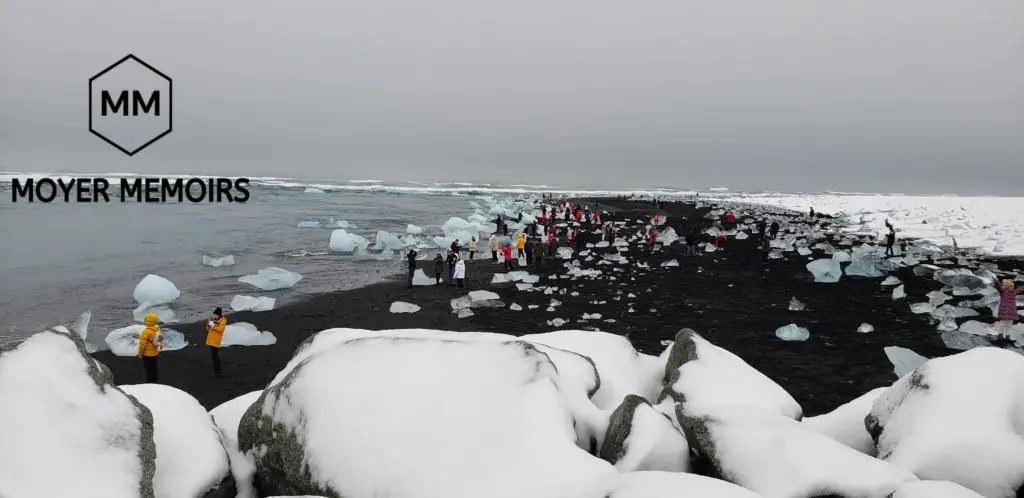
(762,226)
(731,218)
(1008,307)
(521,245)
(456,247)
(460,273)
(890,239)
(151,342)
(766,249)
(529,251)
(506,254)
(539,251)
(438,267)
(214,335)
(451,266)
(493,244)
(774,230)
(812,212)
(691,245)
(411,256)
(472,247)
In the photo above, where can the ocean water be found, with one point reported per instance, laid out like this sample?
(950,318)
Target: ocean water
(59,259)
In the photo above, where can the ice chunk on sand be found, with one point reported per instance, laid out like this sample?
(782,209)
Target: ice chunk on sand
(413,229)
(163,313)
(401,307)
(272,278)
(890,281)
(841,256)
(227,416)
(954,339)
(795,305)
(825,270)
(190,460)
(218,262)
(66,430)
(388,240)
(465,313)
(246,334)
(903,360)
(921,308)
(792,332)
(515,307)
(865,328)
(846,423)
(899,293)
(670,263)
(667,236)
(461,303)
(482,295)
(308,224)
(345,242)
(865,265)
(803,251)
(420,278)
(957,418)
(243,303)
(125,340)
(154,290)
(975,327)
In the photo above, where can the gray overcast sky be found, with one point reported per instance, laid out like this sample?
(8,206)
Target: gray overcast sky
(873,95)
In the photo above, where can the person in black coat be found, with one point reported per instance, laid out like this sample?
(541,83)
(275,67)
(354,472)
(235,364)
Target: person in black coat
(411,256)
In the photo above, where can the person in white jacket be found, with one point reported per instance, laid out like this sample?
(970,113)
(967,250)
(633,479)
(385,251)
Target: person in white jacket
(460,273)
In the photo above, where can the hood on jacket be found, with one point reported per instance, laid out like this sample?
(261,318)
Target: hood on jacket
(151,319)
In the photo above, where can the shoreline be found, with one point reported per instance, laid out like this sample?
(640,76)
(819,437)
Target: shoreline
(729,297)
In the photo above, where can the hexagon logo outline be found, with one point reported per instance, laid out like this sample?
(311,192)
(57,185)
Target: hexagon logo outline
(170,103)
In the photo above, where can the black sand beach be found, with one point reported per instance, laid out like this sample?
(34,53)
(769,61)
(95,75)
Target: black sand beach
(730,297)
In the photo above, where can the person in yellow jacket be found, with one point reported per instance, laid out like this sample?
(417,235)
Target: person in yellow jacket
(151,342)
(214,335)
(521,244)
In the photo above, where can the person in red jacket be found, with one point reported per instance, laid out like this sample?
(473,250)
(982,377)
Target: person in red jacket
(731,217)
(506,253)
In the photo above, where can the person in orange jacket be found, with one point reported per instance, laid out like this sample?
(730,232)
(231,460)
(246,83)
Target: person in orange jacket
(151,342)
(214,335)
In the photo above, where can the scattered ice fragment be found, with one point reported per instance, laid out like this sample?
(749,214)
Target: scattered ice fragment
(557,322)
(522,286)
(154,290)
(841,256)
(413,229)
(309,224)
(903,360)
(795,305)
(242,303)
(345,242)
(482,295)
(803,251)
(792,332)
(865,265)
(420,279)
(533,306)
(890,280)
(825,270)
(978,328)
(461,303)
(865,328)
(464,313)
(402,307)
(962,341)
(937,297)
(898,293)
(218,262)
(515,307)
(272,278)
(669,263)
(920,308)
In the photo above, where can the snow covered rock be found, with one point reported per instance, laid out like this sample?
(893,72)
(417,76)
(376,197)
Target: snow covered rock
(65,428)
(242,303)
(246,334)
(846,423)
(825,270)
(777,456)
(933,489)
(666,485)
(306,437)
(125,340)
(272,278)
(218,262)
(190,460)
(704,378)
(950,420)
(621,368)
(639,438)
(227,416)
(401,307)
(154,290)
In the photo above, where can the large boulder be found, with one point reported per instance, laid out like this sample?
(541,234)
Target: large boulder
(959,418)
(227,416)
(846,423)
(621,368)
(779,457)
(640,438)
(700,374)
(420,414)
(65,428)
(190,459)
